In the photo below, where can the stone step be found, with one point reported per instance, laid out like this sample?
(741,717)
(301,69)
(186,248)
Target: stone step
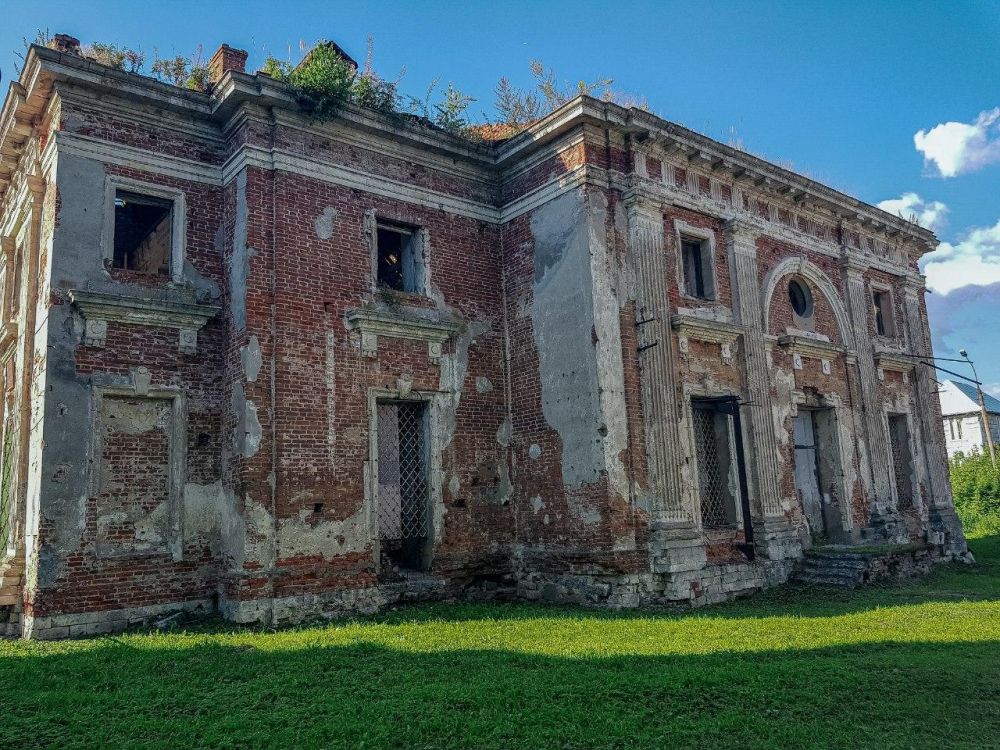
(9,600)
(813,579)
(851,565)
(820,555)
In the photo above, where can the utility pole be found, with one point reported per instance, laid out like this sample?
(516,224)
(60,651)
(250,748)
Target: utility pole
(982,409)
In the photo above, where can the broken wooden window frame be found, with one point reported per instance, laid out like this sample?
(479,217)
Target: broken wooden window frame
(705,239)
(419,249)
(178,226)
(883,310)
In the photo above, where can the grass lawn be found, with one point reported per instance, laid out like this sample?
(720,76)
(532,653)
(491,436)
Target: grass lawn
(912,666)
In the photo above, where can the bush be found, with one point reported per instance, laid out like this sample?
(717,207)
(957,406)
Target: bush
(975,486)
(323,80)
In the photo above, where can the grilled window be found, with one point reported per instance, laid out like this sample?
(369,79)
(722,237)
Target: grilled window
(716,465)
(402,477)
(899,445)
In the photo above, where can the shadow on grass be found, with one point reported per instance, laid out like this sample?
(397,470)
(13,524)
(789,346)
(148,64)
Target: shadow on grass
(146,693)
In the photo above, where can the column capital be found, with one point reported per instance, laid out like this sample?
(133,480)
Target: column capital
(640,209)
(742,234)
(915,284)
(854,264)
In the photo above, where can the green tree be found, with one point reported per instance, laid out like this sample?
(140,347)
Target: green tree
(975,486)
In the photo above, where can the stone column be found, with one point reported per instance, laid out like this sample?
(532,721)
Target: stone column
(945,527)
(675,544)
(773,535)
(884,520)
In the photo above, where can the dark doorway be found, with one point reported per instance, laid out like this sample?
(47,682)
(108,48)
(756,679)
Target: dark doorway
(404,510)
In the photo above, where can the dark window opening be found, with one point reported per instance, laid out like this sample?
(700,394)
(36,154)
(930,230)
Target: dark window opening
(697,275)
(883,314)
(397,261)
(143,233)
(800,297)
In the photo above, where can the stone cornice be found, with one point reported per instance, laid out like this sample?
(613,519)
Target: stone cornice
(700,328)
(101,308)
(810,347)
(886,360)
(142,311)
(622,128)
(703,151)
(371,324)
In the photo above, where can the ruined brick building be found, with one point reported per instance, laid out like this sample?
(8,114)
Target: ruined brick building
(276,367)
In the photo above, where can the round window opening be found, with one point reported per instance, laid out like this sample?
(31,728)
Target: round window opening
(801,298)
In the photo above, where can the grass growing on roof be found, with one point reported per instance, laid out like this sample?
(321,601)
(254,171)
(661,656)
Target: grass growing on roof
(916,665)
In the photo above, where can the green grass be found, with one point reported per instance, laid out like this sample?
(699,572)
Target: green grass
(909,666)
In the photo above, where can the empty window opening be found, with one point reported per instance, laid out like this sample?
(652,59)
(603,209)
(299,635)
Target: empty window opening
(403,504)
(143,233)
(397,258)
(718,482)
(697,268)
(902,461)
(801,298)
(882,305)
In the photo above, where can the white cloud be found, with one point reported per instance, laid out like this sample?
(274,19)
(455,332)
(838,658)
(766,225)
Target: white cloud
(992,388)
(975,260)
(957,147)
(930,214)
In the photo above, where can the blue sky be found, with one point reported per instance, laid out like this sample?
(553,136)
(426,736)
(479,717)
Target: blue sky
(844,91)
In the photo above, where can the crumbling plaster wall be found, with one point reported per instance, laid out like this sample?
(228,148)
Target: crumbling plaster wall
(301,464)
(567,292)
(71,575)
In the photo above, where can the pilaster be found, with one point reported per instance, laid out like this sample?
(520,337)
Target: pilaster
(773,533)
(676,544)
(884,518)
(945,528)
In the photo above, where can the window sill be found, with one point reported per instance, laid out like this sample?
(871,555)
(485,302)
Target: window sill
(369,325)
(101,308)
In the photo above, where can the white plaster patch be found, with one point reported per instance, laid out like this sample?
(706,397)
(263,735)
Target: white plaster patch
(251,359)
(324,223)
(483,385)
(537,504)
(504,432)
(534,451)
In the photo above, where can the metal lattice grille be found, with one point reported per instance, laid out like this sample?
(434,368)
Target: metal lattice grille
(900,461)
(402,473)
(711,487)
(6,490)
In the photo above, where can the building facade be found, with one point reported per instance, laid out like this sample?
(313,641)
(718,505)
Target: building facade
(964,431)
(276,367)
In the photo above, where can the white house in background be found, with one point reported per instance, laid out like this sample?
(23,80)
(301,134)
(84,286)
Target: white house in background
(963,423)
